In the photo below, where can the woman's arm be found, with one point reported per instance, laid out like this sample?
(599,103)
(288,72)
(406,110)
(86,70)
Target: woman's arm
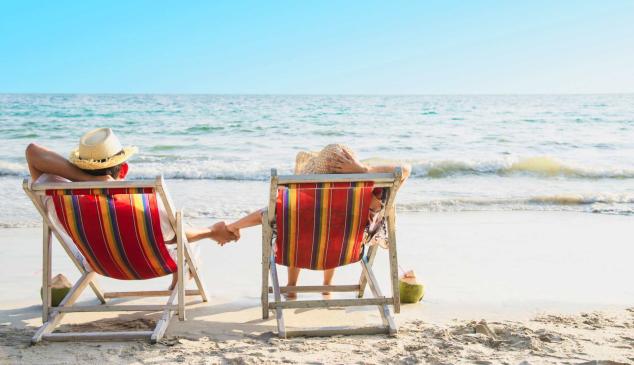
(349,164)
(41,160)
(250,220)
(406,170)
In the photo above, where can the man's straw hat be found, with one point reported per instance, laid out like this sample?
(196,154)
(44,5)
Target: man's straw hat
(100,149)
(320,162)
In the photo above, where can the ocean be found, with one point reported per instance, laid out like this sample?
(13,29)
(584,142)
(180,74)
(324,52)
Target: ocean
(476,152)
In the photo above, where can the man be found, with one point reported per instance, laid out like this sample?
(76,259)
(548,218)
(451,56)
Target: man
(101,157)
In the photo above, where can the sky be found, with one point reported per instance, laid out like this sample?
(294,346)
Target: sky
(317,47)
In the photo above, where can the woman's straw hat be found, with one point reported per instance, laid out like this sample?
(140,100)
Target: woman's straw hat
(320,162)
(100,149)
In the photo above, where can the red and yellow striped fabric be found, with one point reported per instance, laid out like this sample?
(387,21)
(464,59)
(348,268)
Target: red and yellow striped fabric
(117,230)
(320,226)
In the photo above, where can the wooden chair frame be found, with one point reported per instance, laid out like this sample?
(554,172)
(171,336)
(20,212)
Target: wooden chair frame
(386,180)
(52,316)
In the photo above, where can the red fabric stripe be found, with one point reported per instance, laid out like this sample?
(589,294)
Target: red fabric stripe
(338,205)
(169,263)
(306,225)
(124,216)
(92,227)
(131,239)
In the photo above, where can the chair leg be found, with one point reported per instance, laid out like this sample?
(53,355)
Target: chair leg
(370,259)
(46,272)
(195,269)
(98,292)
(266,253)
(180,263)
(279,315)
(384,310)
(70,298)
(163,323)
(391,228)
(44,332)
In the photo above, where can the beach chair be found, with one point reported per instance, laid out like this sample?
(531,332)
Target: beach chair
(317,222)
(116,227)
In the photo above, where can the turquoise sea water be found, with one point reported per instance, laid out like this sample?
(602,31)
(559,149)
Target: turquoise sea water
(544,152)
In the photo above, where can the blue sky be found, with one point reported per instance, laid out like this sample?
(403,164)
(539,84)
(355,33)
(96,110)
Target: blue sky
(317,47)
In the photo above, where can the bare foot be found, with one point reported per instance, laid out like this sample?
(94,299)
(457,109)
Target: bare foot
(326,294)
(290,295)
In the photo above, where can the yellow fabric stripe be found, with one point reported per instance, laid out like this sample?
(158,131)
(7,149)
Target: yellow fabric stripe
(323,222)
(356,198)
(70,218)
(108,231)
(139,217)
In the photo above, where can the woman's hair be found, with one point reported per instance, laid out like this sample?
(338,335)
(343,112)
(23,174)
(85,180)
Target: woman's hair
(113,171)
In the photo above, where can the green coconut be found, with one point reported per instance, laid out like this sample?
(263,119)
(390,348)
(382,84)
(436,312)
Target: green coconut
(411,290)
(60,286)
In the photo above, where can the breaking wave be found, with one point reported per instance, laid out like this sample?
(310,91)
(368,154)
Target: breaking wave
(622,204)
(12,169)
(541,166)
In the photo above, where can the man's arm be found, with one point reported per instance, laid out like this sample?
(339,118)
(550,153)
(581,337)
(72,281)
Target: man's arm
(41,160)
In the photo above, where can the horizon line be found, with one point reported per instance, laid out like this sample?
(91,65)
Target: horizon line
(319,94)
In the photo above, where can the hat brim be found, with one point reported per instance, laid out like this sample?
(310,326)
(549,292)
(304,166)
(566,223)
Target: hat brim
(115,160)
(302,158)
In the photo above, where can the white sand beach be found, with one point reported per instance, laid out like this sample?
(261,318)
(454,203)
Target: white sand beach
(501,287)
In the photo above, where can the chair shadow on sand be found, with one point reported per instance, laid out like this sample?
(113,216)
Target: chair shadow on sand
(222,321)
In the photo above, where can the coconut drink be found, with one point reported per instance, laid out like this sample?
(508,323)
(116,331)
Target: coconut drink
(60,286)
(411,290)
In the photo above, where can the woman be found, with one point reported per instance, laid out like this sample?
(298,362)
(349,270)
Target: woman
(332,159)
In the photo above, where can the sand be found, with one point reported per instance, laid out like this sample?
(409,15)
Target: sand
(508,287)
(588,338)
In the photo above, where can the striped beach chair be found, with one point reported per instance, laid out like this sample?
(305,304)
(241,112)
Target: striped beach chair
(317,222)
(116,227)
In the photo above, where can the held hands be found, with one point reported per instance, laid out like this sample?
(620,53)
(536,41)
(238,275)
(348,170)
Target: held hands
(234,230)
(346,163)
(221,234)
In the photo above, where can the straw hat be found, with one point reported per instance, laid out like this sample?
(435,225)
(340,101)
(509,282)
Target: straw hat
(320,162)
(100,149)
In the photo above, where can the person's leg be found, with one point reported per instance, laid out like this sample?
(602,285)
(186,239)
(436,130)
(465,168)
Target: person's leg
(293,275)
(328,275)
(196,256)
